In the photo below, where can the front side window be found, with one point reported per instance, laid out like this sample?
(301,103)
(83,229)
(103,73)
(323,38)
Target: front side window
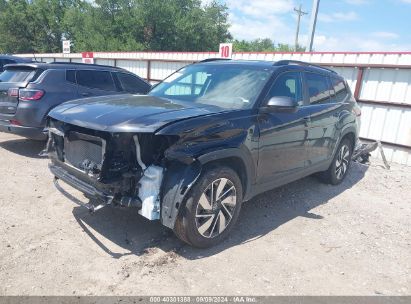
(318,88)
(225,86)
(96,80)
(287,85)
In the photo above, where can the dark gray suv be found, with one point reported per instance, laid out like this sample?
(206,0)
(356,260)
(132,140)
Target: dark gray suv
(29,91)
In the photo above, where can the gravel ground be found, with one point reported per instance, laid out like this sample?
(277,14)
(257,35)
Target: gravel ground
(304,238)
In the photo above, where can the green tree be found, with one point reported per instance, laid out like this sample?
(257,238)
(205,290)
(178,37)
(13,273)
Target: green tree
(262,45)
(15,27)
(105,25)
(46,24)
(119,25)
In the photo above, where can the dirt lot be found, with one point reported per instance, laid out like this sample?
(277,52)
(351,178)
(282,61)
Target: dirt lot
(304,238)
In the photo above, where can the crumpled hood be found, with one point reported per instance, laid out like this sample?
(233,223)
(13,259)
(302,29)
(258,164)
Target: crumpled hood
(127,113)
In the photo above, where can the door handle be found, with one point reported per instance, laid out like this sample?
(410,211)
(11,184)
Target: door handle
(85,94)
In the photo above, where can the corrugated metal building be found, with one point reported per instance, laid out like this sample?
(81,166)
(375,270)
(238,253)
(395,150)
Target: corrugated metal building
(381,83)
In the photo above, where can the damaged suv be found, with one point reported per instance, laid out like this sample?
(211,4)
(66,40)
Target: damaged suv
(209,137)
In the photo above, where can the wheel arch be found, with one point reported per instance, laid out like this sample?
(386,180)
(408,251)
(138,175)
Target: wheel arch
(350,132)
(180,177)
(236,160)
(350,135)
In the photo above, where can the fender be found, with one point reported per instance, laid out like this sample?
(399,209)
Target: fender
(178,180)
(344,131)
(349,129)
(180,176)
(238,153)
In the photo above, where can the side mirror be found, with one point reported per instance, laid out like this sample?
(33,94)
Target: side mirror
(282,104)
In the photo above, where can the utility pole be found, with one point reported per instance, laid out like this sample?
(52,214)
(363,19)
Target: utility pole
(313,22)
(300,13)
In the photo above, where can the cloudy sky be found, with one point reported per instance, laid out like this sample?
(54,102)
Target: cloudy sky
(343,25)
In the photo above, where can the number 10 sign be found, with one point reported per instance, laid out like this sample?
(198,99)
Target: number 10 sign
(226,50)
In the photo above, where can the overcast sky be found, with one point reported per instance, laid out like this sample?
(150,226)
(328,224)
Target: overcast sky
(343,25)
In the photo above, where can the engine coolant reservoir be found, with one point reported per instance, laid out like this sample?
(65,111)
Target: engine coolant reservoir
(149,192)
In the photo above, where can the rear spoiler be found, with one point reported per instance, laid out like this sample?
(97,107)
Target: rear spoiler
(21,65)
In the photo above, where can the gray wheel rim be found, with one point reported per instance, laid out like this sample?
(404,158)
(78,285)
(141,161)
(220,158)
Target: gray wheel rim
(341,164)
(215,208)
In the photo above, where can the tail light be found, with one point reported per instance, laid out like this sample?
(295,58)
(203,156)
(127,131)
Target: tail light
(27,94)
(13,92)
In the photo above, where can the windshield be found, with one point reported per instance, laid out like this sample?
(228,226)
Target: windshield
(17,75)
(229,87)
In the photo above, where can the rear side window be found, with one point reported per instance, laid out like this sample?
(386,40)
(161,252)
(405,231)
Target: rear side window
(340,90)
(132,84)
(17,75)
(96,80)
(318,88)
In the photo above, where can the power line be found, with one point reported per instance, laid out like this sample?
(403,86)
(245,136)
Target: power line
(300,13)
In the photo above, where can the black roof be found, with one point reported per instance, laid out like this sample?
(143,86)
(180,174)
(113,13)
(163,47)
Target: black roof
(294,64)
(219,61)
(66,65)
(15,58)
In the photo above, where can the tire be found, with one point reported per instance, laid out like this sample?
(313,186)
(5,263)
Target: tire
(340,165)
(205,221)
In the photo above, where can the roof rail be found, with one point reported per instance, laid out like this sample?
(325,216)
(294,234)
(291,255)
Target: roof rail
(85,64)
(296,62)
(214,59)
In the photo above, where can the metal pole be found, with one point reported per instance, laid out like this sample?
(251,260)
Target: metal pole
(300,13)
(313,22)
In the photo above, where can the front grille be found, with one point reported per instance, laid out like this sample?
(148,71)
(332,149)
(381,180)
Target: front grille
(84,152)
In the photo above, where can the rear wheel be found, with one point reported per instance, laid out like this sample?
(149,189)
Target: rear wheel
(211,208)
(340,165)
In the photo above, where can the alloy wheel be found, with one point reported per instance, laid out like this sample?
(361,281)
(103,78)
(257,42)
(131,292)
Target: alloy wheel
(342,161)
(215,207)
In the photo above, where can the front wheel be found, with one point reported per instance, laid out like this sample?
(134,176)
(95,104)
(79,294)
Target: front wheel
(211,208)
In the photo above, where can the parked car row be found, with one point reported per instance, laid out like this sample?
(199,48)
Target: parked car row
(190,152)
(29,91)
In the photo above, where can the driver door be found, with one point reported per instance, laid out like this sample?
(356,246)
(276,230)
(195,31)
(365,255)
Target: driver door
(283,135)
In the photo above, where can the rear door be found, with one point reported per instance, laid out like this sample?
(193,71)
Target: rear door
(11,80)
(324,113)
(95,83)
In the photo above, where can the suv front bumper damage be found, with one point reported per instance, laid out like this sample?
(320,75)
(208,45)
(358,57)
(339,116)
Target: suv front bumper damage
(87,189)
(156,189)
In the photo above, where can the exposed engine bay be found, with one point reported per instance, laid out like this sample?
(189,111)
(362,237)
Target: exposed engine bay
(124,169)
